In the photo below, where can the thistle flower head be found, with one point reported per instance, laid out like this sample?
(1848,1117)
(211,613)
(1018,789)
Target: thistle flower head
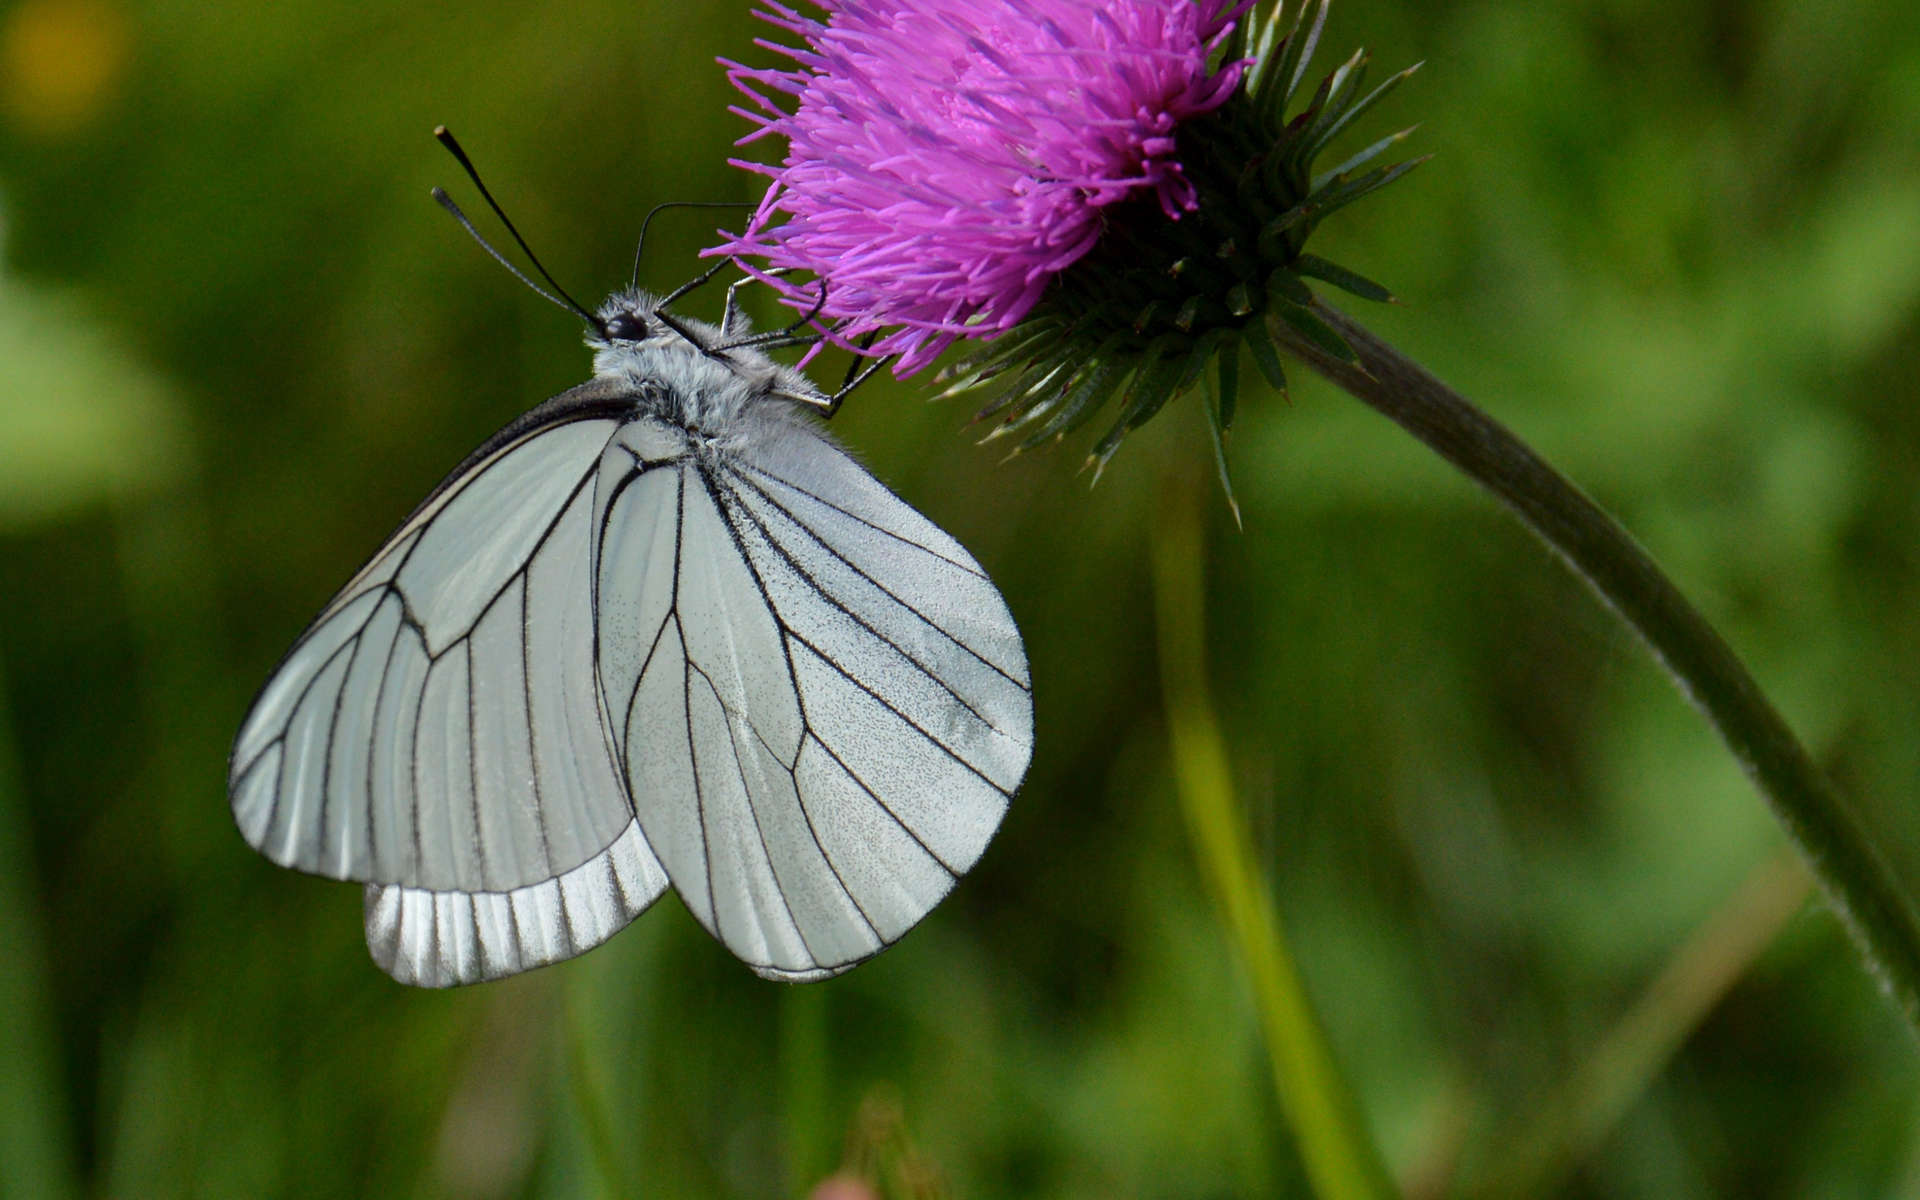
(947,158)
(1110,194)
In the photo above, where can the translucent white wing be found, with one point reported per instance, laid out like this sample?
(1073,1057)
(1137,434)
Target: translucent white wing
(437,734)
(822,706)
(437,939)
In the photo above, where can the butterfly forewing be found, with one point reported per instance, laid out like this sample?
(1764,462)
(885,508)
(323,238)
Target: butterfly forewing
(822,718)
(436,733)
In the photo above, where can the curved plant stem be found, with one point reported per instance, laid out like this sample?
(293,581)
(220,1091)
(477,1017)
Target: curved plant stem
(1856,880)
(1338,1154)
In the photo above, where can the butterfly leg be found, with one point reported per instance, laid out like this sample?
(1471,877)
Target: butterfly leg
(732,324)
(859,370)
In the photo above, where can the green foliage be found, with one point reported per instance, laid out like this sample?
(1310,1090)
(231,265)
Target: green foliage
(1670,244)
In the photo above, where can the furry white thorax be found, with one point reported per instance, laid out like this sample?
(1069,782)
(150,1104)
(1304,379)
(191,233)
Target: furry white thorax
(706,388)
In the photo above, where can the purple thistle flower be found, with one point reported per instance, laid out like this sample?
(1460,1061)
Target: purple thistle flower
(948,158)
(1119,179)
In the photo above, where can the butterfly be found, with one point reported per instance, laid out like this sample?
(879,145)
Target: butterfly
(660,631)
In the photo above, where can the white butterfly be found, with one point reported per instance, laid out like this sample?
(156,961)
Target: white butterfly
(658,631)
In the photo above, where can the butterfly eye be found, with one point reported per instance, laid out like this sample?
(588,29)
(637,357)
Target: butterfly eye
(627,327)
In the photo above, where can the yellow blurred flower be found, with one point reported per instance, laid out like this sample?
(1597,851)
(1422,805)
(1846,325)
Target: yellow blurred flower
(61,63)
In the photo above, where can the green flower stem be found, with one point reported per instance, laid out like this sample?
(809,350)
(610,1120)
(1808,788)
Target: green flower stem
(1872,906)
(1340,1157)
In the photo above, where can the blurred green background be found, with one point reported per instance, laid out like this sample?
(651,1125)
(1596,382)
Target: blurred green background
(1677,245)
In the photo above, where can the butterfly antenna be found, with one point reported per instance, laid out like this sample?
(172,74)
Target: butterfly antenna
(559,295)
(697,281)
(445,201)
(640,247)
(667,319)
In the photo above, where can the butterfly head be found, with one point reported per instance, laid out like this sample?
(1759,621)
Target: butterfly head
(705,374)
(631,322)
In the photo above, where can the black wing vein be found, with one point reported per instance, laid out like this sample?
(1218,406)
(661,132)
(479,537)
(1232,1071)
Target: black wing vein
(836,603)
(533,743)
(753,810)
(853,516)
(814,833)
(813,536)
(693,762)
(887,704)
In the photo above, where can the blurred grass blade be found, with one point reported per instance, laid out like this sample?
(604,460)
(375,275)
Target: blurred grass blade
(1340,1158)
(807,1135)
(1557,1135)
(590,1091)
(35,1157)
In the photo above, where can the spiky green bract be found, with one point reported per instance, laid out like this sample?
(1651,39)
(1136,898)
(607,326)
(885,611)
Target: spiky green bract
(1143,315)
